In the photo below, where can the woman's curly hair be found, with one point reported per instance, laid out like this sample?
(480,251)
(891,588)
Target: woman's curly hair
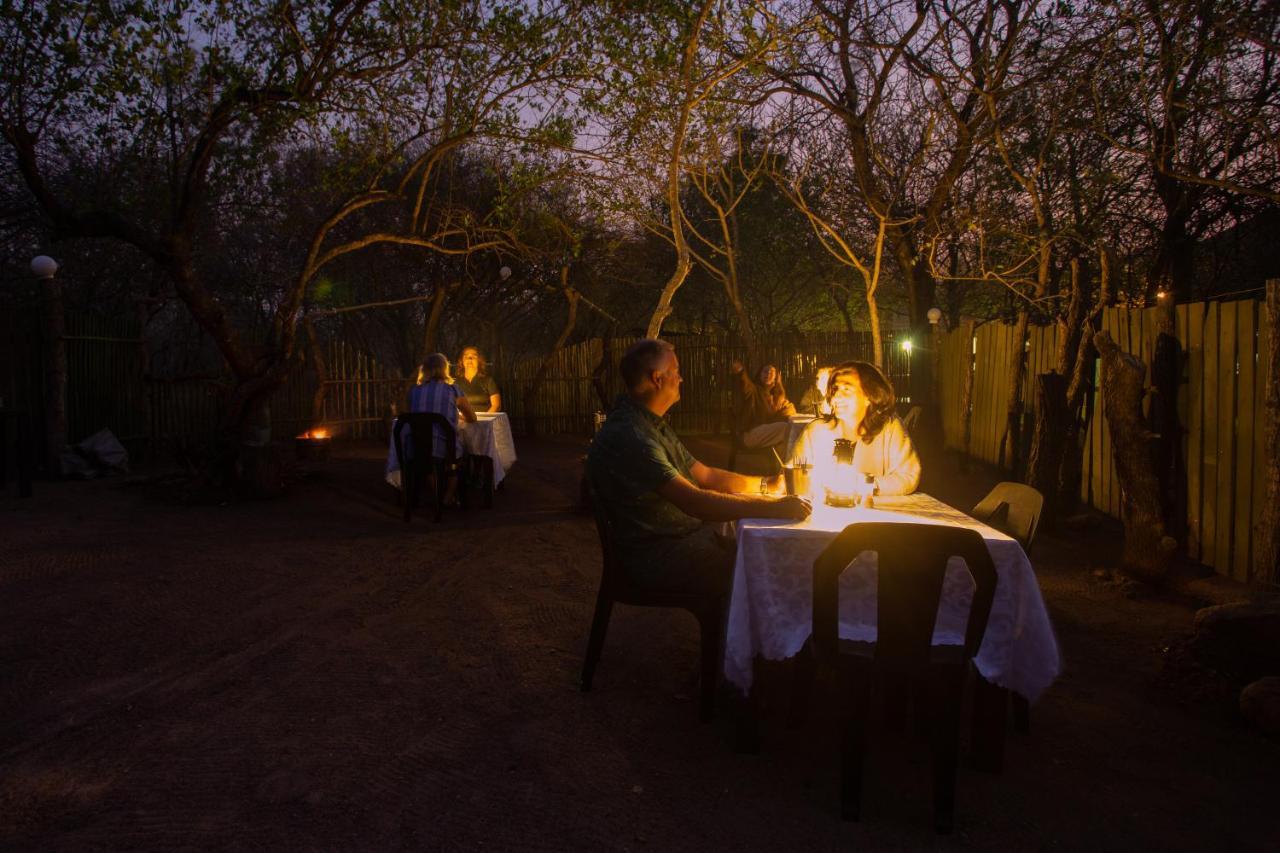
(878,390)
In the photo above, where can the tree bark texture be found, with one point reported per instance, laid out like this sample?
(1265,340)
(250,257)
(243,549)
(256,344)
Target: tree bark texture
(322,374)
(535,384)
(1146,547)
(1011,443)
(1266,562)
(1048,444)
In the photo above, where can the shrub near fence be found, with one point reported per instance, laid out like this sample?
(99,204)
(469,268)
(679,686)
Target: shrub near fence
(1220,407)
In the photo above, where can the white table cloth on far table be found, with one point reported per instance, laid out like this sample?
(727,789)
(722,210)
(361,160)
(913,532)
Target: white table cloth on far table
(771,607)
(489,436)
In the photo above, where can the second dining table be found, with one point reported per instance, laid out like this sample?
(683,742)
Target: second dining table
(490,437)
(771,605)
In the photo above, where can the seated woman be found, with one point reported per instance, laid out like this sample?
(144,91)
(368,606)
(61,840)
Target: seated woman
(765,407)
(439,394)
(862,401)
(476,383)
(814,400)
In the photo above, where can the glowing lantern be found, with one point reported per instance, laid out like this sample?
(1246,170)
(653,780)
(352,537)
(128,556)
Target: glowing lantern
(842,484)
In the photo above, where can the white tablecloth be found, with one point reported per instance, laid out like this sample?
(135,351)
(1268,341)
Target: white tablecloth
(489,436)
(771,607)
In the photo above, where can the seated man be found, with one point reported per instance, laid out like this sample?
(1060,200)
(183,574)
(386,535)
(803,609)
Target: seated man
(658,495)
(765,407)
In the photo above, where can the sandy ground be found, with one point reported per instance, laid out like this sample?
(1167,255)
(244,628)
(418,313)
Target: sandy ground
(312,673)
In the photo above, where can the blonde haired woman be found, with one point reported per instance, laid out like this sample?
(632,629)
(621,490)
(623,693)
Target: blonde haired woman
(438,394)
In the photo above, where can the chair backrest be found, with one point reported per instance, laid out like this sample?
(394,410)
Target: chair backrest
(612,569)
(1012,508)
(422,427)
(912,561)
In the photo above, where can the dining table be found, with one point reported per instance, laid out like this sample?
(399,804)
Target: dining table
(771,603)
(488,438)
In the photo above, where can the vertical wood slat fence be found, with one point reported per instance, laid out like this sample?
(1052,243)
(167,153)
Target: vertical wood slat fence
(1220,407)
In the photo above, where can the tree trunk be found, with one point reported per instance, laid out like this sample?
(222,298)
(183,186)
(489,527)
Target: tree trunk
(55,410)
(1146,547)
(431,330)
(1048,443)
(535,384)
(600,376)
(1011,443)
(1266,562)
(322,374)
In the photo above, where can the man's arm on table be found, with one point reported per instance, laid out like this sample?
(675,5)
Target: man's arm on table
(720,480)
(712,505)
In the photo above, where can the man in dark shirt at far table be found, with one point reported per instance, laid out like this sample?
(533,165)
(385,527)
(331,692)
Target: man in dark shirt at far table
(659,497)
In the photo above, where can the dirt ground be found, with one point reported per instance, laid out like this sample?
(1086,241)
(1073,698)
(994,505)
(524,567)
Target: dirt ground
(312,673)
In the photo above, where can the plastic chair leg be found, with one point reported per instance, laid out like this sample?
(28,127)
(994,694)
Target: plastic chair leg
(595,643)
(990,704)
(709,627)
(946,751)
(854,750)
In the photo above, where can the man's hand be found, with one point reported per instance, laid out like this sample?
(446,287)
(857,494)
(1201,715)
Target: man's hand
(736,366)
(792,507)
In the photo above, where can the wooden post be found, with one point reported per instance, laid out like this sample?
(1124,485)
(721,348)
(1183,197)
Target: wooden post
(1266,562)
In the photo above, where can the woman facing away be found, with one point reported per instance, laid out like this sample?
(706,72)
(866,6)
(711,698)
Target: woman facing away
(475,382)
(861,400)
(438,394)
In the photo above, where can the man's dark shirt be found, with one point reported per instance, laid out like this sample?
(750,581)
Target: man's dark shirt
(634,454)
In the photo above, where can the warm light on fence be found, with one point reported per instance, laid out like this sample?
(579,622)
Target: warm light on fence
(906,347)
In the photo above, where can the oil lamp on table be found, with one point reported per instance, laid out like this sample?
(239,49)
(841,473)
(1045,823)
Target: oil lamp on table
(846,487)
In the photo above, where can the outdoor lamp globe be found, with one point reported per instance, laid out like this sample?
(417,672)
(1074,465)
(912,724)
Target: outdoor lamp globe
(906,346)
(934,315)
(504,273)
(43,266)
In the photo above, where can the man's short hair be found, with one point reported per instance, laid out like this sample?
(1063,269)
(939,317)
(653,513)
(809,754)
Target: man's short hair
(642,358)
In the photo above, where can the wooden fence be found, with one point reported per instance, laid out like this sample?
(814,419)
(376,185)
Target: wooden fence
(1220,407)
(567,398)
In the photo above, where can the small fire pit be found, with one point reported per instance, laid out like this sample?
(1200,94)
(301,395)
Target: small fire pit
(313,445)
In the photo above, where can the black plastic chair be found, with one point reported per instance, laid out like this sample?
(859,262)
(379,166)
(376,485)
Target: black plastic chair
(1013,509)
(617,588)
(912,560)
(414,470)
